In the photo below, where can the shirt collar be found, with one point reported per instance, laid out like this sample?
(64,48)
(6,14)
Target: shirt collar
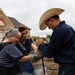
(62,22)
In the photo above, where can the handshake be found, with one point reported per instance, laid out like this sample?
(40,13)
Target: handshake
(35,57)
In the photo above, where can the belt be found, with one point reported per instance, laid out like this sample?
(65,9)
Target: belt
(67,64)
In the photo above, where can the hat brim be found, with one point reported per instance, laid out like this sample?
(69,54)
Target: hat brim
(49,13)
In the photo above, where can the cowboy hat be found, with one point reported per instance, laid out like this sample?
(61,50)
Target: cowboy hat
(48,14)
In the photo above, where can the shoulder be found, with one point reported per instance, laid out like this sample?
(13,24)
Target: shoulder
(3,45)
(10,47)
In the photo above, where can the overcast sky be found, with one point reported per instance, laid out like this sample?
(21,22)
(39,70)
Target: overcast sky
(29,12)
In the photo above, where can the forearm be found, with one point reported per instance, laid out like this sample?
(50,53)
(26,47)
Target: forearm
(32,57)
(24,59)
(34,47)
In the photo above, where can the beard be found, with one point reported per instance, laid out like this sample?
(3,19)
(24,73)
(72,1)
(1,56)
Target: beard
(24,39)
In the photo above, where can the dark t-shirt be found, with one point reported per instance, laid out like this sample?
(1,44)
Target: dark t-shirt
(9,56)
(25,66)
(3,44)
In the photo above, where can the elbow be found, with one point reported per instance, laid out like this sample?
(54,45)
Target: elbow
(48,55)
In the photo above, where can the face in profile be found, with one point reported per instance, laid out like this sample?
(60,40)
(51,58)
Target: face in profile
(15,39)
(24,36)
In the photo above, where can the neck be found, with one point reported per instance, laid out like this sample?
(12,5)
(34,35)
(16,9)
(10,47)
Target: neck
(6,40)
(56,24)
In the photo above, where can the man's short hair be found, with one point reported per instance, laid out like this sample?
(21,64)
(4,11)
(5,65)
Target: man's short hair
(55,17)
(22,29)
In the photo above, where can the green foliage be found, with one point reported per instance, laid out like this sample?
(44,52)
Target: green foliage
(34,37)
(48,36)
(44,38)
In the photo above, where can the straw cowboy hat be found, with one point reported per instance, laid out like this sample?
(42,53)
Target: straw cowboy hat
(49,13)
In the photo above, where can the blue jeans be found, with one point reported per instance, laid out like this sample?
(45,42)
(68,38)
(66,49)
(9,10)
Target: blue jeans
(25,73)
(68,69)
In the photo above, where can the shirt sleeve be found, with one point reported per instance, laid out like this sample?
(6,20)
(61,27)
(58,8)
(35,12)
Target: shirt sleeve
(13,52)
(54,46)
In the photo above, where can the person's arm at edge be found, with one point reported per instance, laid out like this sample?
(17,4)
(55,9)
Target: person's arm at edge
(24,59)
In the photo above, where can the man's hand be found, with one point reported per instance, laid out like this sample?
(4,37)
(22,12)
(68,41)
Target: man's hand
(39,41)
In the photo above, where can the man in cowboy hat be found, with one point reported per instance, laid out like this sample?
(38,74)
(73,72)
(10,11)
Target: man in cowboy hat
(62,42)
